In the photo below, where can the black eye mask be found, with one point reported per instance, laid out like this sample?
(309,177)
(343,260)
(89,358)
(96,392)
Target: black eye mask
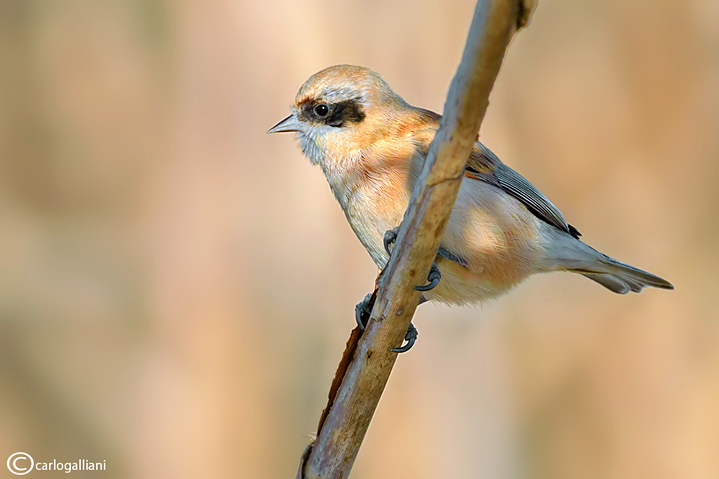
(339,115)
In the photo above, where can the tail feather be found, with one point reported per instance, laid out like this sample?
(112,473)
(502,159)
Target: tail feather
(618,284)
(566,253)
(611,282)
(622,278)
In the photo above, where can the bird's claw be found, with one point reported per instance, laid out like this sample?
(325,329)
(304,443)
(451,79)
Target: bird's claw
(410,336)
(433,277)
(363,310)
(390,236)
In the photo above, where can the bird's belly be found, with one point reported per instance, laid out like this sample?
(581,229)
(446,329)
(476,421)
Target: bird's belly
(460,285)
(370,221)
(493,234)
(497,239)
(371,233)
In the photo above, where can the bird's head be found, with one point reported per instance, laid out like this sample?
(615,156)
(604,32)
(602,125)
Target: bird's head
(341,109)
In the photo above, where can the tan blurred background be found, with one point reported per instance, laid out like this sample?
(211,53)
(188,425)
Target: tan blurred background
(177,286)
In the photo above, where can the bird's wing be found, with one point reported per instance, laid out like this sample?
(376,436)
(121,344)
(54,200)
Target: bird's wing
(483,165)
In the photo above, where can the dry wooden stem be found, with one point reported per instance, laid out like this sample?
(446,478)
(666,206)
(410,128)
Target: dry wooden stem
(354,401)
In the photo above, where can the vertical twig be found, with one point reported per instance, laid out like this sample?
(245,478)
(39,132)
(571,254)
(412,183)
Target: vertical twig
(354,397)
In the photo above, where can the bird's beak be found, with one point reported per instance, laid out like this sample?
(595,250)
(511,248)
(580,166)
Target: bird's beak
(291,123)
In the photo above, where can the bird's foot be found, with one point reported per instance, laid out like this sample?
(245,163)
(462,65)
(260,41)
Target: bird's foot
(433,277)
(410,336)
(390,236)
(363,310)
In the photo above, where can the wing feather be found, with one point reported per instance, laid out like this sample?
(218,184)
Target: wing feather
(487,167)
(484,165)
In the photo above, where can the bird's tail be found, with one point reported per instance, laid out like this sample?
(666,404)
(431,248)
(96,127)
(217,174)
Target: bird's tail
(625,278)
(614,275)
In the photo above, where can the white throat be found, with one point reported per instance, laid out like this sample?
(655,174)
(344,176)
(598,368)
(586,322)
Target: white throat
(341,173)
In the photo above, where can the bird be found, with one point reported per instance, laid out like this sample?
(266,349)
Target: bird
(371,146)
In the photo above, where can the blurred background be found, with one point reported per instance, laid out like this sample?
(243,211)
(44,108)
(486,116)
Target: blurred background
(177,287)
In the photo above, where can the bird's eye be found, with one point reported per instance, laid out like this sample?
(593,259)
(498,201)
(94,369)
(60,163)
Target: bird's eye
(321,110)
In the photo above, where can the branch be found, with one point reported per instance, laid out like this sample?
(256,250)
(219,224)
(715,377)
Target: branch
(367,364)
